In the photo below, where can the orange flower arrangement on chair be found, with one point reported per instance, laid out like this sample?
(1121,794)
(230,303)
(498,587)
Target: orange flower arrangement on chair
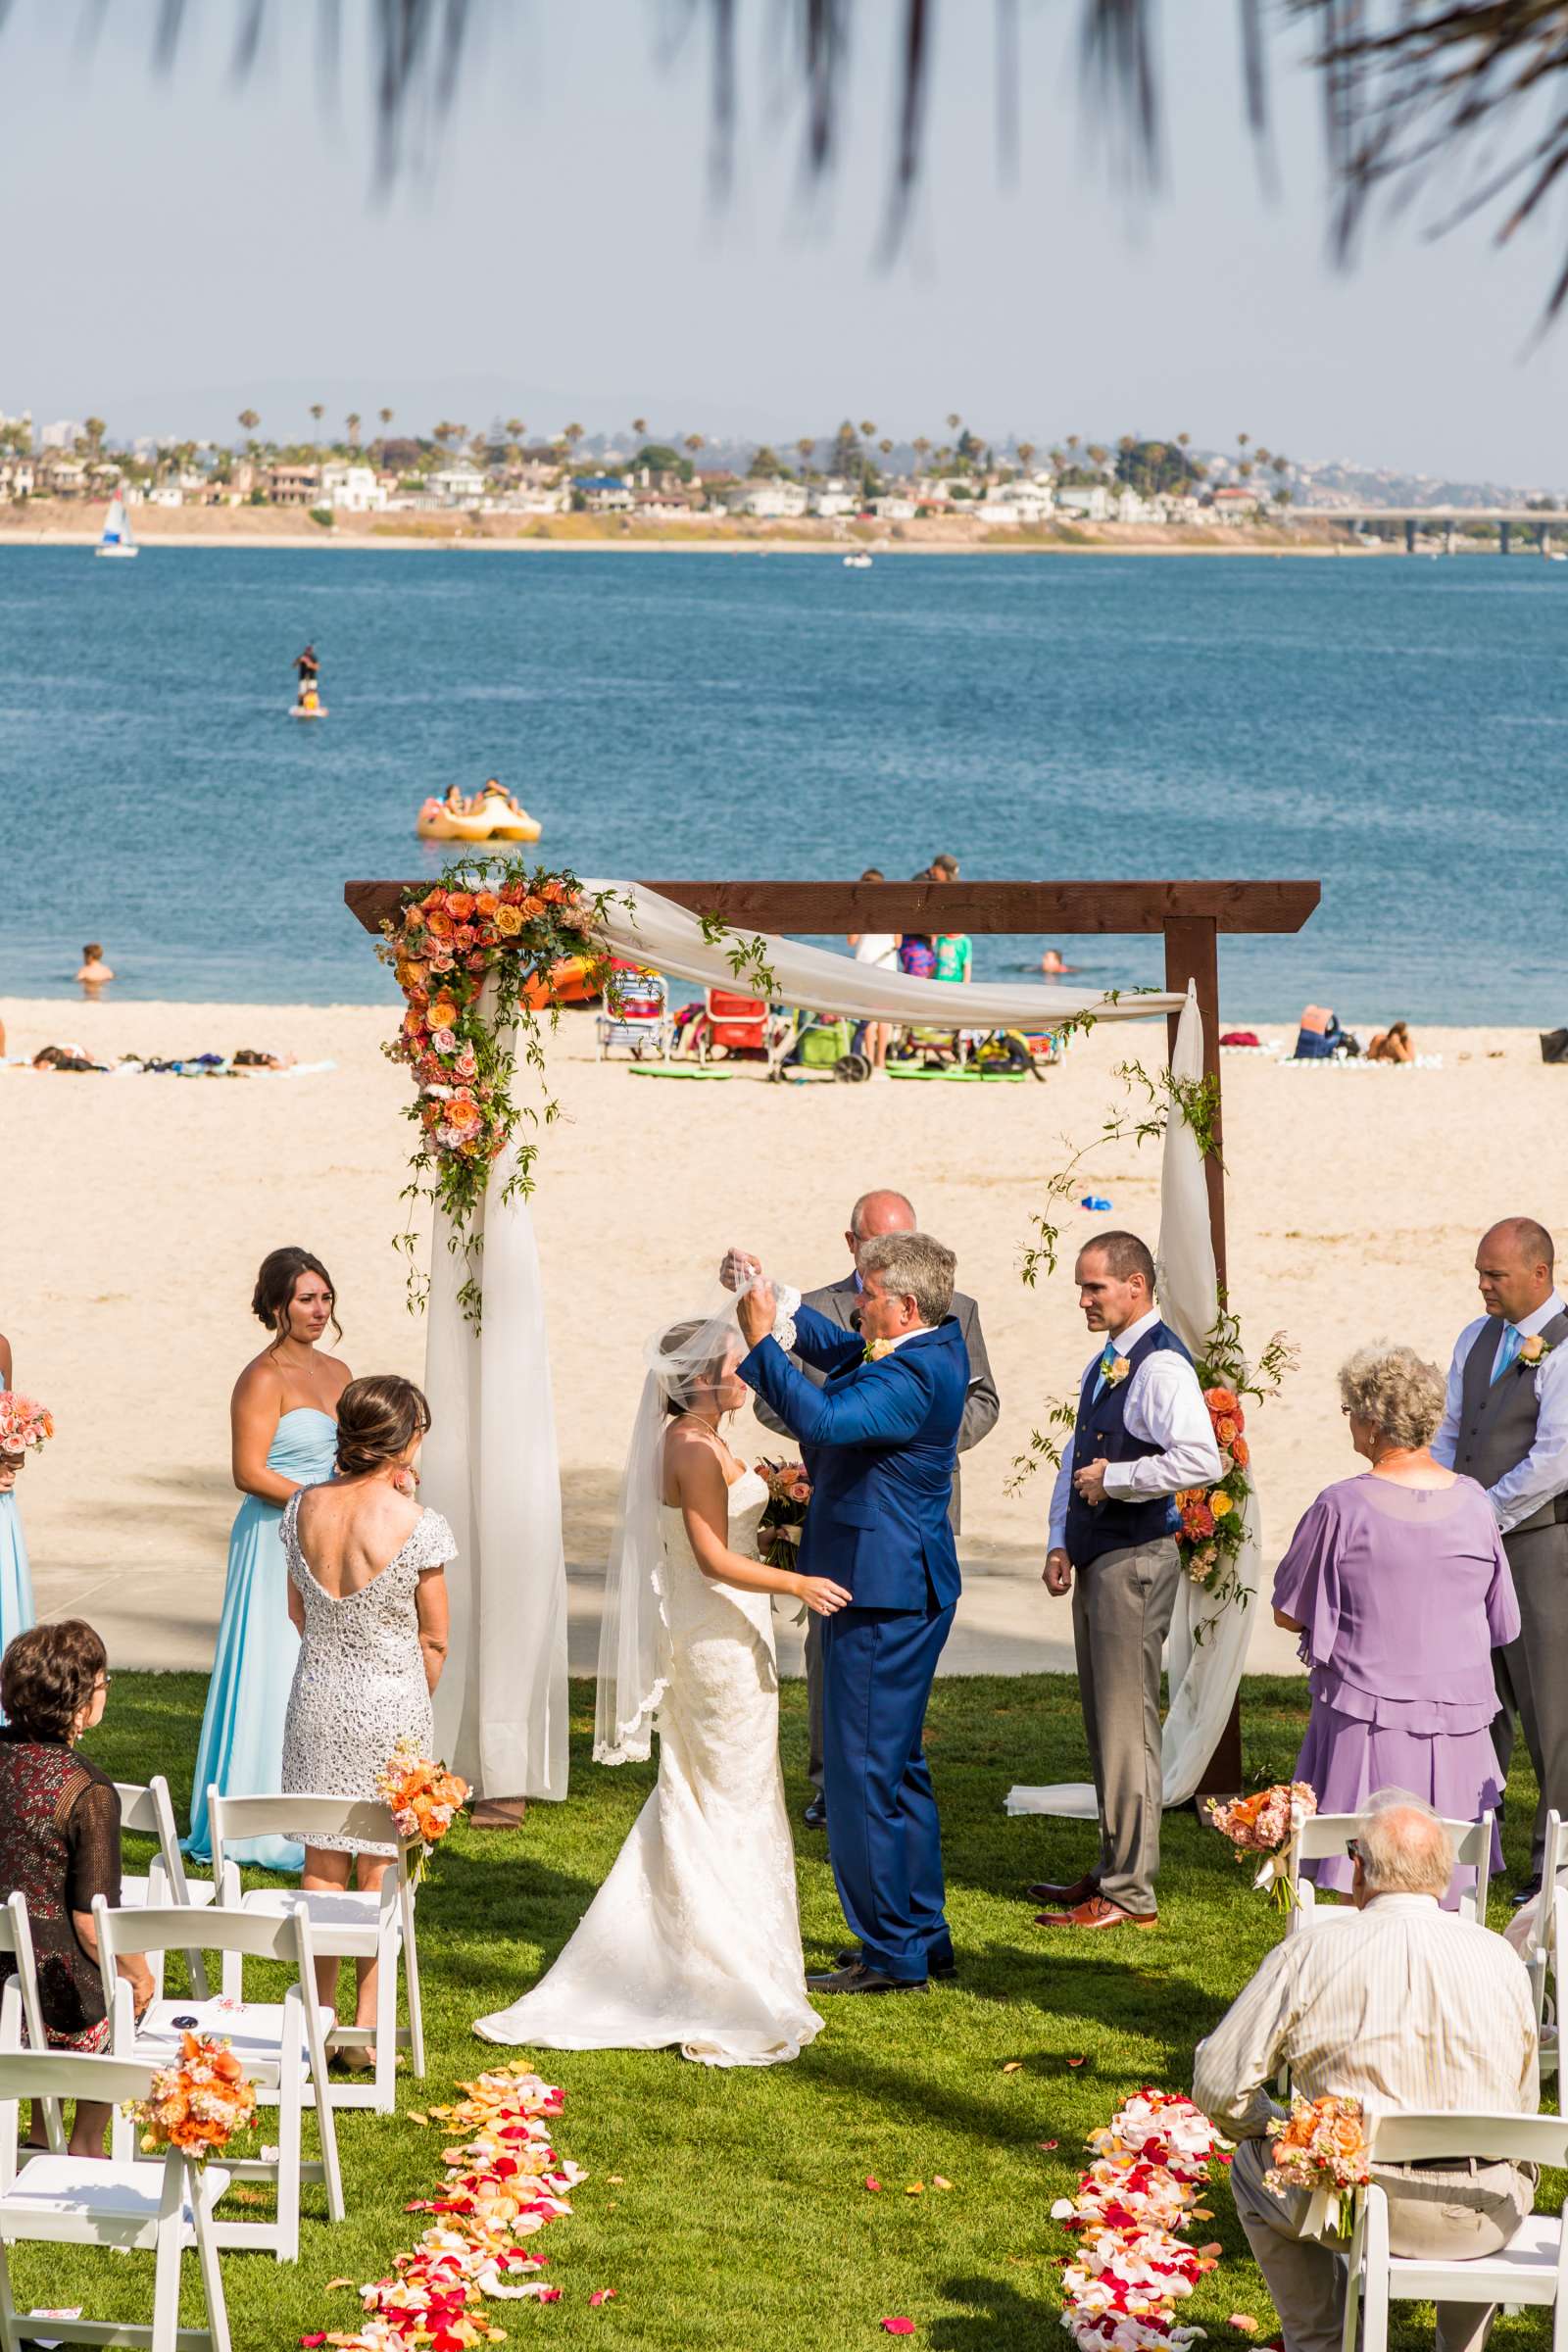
(198,2105)
(423,1798)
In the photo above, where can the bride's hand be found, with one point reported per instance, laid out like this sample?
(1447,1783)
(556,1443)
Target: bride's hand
(821,1596)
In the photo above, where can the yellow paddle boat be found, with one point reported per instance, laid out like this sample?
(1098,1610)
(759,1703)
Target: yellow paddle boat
(309,705)
(495,819)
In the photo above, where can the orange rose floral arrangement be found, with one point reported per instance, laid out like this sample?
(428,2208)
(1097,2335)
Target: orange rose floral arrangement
(198,2105)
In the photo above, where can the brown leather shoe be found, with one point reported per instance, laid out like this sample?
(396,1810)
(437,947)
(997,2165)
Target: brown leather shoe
(1098,1912)
(1066,1896)
(499,1813)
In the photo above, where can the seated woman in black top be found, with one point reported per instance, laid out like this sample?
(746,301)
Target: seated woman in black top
(60,1841)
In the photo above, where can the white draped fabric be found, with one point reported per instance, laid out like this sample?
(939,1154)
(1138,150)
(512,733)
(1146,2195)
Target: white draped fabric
(654,930)
(490,1467)
(1203,1675)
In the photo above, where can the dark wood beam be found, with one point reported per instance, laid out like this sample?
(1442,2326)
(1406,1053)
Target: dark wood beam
(832,909)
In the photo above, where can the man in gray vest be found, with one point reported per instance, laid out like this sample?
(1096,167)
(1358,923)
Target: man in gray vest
(1506,1426)
(872,1215)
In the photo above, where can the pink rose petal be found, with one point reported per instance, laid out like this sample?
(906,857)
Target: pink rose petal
(870,2184)
(897,2326)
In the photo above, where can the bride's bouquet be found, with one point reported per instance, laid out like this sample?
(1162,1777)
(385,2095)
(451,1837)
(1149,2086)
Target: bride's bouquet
(422,1797)
(789,1491)
(24,1426)
(1267,1824)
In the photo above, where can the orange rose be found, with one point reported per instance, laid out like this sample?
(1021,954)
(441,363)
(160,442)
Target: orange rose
(463,1115)
(443,1014)
(441,925)
(412,975)
(412,1022)
(1221,1400)
(1241,1453)
(485,903)
(459,905)
(1225,1430)
(532,905)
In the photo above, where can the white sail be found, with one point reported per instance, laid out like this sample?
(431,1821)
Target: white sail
(119,538)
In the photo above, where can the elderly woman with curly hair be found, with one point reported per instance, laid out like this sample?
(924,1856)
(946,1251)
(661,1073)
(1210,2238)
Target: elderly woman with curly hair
(1399,1586)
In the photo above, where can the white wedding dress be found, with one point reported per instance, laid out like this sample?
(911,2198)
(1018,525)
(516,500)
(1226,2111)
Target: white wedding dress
(694,1938)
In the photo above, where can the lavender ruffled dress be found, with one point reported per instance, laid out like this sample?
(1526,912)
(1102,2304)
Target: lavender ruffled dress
(1402,1594)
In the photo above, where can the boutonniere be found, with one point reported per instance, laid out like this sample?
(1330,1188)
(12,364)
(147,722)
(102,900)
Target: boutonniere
(875,1351)
(1116,1371)
(1532,1351)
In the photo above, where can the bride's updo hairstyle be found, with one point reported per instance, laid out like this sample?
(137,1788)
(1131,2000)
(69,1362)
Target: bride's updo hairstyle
(275,1284)
(377,1420)
(685,1380)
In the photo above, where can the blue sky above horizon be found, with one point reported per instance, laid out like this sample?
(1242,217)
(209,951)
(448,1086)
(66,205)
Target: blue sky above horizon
(194,246)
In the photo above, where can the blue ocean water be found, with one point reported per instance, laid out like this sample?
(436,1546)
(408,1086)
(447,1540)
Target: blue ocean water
(1394,727)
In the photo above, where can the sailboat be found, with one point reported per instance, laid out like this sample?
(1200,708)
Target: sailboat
(118,538)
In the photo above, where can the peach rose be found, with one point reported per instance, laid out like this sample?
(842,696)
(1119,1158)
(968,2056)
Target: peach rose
(459,905)
(486,902)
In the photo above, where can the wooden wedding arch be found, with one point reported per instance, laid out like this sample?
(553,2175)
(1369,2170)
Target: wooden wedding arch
(1191,917)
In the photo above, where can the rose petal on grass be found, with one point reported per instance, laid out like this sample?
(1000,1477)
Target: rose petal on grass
(916,2188)
(1077,2061)
(415,2117)
(1014,2066)
(548,2294)
(601,2295)
(1243,2322)
(897,2326)
(939,2181)
(311,2341)
(1048,2143)
(333,2284)
(870,2184)
(615,2179)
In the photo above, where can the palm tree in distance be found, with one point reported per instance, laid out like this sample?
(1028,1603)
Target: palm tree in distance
(639,426)
(886,447)
(692,444)
(385,416)
(867,430)
(352,420)
(922,450)
(95,428)
(248,420)
(954,421)
(318,411)
(1026,454)
(803,448)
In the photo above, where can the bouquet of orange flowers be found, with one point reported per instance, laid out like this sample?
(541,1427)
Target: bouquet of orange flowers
(423,1798)
(1321,2146)
(24,1426)
(199,2104)
(1265,1823)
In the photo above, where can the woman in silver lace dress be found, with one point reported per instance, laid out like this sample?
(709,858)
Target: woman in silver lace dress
(367,1597)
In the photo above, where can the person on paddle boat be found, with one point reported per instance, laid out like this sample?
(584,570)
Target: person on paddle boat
(310,669)
(454,804)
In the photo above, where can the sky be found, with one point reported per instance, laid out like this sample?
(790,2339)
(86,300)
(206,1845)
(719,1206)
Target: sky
(196,245)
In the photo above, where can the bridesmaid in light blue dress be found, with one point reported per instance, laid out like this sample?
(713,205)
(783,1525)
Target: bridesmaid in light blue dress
(15,1580)
(284,1418)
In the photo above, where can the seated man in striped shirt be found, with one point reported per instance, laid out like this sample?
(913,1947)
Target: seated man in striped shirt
(1409,2009)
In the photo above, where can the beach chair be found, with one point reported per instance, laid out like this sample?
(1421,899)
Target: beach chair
(344,1925)
(21,2025)
(147,1810)
(1545,1959)
(281,2046)
(639,1021)
(733,1024)
(812,1042)
(1322,1836)
(64,2201)
(1533,2267)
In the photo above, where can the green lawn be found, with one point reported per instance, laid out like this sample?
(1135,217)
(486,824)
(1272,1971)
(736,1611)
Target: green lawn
(740,2221)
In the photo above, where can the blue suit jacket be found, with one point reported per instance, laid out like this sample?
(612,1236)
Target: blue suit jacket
(884,1437)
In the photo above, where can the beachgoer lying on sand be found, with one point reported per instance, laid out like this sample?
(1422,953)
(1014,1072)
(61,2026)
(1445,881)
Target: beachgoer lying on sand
(1392,1044)
(64,1058)
(94,971)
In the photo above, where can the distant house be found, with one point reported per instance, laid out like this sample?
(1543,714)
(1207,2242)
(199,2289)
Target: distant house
(351,490)
(769,501)
(63,477)
(1235,503)
(1130,508)
(602,493)
(830,501)
(457,485)
(1089,502)
(294,485)
(1020,503)
(16,477)
(893,509)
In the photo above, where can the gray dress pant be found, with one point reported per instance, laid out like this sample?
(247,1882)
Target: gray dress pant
(1121,1612)
(1448,2216)
(1531,1672)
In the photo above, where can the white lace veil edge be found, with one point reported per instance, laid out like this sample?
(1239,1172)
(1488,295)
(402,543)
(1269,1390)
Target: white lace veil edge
(633,1633)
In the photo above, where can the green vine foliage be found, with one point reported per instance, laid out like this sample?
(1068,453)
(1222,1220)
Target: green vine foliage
(746,958)
(489,918)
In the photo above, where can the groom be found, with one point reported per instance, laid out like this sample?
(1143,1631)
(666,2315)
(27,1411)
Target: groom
(884,1430)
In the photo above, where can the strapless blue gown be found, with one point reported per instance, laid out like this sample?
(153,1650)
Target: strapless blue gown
(15,1580)
(241,1749)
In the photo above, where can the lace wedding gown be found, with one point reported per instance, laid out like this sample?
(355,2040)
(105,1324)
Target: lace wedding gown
(695,1935)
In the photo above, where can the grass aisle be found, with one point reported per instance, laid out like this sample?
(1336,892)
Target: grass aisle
(741,2219)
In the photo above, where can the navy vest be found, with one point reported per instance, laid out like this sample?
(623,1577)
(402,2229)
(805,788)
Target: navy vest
(1102,1434)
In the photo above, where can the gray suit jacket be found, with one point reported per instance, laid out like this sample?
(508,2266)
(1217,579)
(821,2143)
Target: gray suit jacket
(840,1302)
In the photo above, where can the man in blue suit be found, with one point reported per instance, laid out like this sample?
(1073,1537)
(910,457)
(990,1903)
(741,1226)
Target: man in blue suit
(884,1432)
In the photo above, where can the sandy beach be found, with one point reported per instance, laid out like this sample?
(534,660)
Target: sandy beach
(1355,1198)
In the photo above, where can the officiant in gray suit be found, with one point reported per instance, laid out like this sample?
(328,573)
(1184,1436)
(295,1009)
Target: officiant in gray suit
(876,1214)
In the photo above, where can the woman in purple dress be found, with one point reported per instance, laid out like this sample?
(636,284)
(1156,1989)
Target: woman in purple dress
(1399,1586)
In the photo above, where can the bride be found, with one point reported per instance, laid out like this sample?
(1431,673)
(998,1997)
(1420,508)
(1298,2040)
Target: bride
(694,1936)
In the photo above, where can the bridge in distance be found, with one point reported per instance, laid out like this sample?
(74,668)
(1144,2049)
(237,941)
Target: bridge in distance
(1423,521)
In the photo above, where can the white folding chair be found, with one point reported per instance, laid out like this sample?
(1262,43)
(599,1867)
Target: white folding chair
(281,2046)
(348,1926)
(1322,1836)
(1533,2267)
(148,1810)
(101,2201)
(22,2023)
(1544,1958)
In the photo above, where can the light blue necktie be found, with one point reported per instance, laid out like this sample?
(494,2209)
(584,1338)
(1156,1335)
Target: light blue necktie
(1105,1364)
(1511,1343)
